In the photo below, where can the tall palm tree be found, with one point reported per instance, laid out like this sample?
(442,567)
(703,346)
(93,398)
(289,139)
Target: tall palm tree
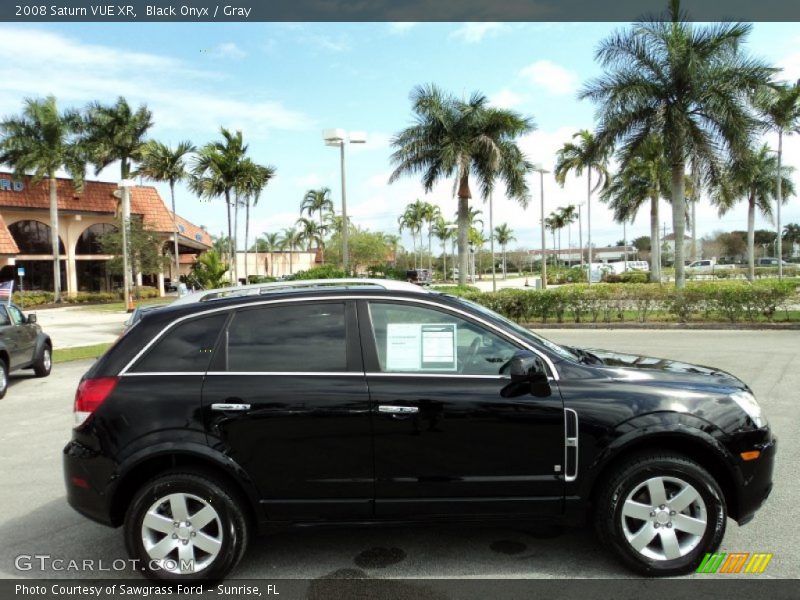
(691,84)
(311,232)
(430,214)
(269,242)
(318,201)
(551,224)
(117,133)
(569,214)
(161,162)
(252,180)
(753,177)
(780,106)
(459,139)
(504,234)
(642,177)
(290,240)
(585,155)
(215,172)
(40,142)
(413,219)
(443,232)
(791,235)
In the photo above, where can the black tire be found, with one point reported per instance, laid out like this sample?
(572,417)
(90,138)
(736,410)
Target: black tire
(631,476)
(231,528)
(44,363)
(3,378)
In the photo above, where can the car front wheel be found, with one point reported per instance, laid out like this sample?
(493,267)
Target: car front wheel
(661,514)
(185,526)
(3,378)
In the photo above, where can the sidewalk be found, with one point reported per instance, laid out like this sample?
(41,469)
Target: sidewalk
(72,326)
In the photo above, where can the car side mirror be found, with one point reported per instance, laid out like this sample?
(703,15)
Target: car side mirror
(528,374)
(31,318)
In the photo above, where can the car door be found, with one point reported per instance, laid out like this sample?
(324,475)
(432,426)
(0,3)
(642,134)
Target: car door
(9,337)
(25,333)
(286,398)
(446,439)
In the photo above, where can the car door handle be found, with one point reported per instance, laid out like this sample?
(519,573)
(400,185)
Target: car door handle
(228,407)
(397,410)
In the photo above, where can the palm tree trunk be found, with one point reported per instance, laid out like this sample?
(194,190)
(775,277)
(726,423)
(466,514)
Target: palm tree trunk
(235,241)
(444,259)
(679,221)
(322,248)
(54,239)
(246,235)
(463,207)
(655,245)
(175,233)
(751,237)
(230,234)
(589,221)
(430,252)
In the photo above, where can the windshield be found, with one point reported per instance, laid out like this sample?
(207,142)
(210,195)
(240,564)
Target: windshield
(522,331)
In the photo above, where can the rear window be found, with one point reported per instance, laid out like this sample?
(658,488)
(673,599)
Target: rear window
(185,348)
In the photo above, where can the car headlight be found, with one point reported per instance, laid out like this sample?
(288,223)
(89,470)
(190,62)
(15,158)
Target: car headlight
(748,404)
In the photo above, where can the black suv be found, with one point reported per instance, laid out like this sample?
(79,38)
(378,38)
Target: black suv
(360,401)
(23,345)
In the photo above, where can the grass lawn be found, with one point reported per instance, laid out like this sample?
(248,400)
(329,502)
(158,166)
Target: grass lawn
(79,352)
(120,306)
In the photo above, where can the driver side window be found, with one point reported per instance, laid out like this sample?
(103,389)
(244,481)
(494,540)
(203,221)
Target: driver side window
(414,339)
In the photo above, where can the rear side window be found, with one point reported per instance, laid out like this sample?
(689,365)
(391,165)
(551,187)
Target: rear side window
(185,348)
(293,338)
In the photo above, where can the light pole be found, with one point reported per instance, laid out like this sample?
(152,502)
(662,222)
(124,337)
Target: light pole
(125,187)
(491,243)
(541,171)
(338,137)
(778,196)
(580,233)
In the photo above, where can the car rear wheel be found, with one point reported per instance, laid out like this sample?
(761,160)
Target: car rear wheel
(185,526)
(661,514)
(3,378)
(44,364)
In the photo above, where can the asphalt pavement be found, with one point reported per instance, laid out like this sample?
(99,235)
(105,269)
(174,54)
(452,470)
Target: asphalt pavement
(35,518)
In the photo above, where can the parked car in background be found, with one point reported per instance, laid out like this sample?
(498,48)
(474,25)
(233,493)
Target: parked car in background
(367,401)
(708,265)
(419,276)
(770,262)
(23,345)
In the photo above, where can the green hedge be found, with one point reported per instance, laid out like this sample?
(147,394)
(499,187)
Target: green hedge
(729,301)
(34,298)
(38,298)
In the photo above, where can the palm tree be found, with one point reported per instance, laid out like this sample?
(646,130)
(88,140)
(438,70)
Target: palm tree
(163,163)
(430,214)
(269,242)
(443,232)
(311,232)
(569,215)
(754,178)
(691,85)
(504,234)
(40,142)
(317,201)
(780,106)
(413,219)
(589,155)
(117,133)
(253,178)
(290,240)
(642,177)
(215,173)
(791,235)
(456,138)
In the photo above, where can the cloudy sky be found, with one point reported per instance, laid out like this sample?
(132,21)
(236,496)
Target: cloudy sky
(281,84)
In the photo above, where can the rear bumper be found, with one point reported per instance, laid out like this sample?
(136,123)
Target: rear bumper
(756,482)
(84,492)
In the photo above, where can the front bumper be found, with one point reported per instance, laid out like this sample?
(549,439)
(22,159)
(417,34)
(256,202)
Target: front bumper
(755,484)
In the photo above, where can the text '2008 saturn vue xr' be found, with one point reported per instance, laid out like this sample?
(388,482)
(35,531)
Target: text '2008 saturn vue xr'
(235,412)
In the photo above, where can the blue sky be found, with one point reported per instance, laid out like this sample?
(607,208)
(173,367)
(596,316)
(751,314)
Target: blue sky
(283,83)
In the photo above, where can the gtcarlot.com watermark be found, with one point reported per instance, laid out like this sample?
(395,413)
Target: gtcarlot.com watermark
(46,562)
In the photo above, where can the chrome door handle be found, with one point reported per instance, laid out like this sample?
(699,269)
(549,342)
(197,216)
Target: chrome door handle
(222,407)
(397,410)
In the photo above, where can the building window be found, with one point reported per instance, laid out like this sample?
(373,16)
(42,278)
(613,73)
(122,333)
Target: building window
(89,242)
(33,237)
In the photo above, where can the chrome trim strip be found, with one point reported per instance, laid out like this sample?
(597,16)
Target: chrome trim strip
(444,375)
(397,410)
(230,407)
(344,296)
(570,442)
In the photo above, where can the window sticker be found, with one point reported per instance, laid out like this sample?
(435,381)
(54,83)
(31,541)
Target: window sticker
(418,346)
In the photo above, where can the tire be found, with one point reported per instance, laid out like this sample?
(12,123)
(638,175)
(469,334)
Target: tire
(631,509)
(3,378)
(216,541)
(44,363)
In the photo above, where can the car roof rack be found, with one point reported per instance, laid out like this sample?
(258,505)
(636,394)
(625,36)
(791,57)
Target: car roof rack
(256,289)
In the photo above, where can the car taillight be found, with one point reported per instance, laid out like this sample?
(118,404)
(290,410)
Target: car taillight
(91,394)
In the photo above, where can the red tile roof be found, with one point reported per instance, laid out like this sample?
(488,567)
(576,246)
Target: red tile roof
(98,197)
(192,231)
(7,243)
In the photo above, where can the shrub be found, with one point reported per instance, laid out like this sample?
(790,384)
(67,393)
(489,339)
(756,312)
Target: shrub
(32,298)
(321,272)
(141,291)
(635,277)
(260,279)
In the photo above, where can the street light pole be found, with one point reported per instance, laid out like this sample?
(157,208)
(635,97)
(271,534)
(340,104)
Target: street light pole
(580,233)
(491,243)
(125,186)
(778,195)
(338,137)
(541,172)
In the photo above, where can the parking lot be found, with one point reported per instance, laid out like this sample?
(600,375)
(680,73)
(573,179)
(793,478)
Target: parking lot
(36,519)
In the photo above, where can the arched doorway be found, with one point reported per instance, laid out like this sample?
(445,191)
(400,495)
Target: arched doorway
(35,255)
(93,274)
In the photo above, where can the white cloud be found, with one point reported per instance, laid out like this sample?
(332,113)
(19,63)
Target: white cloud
(473,33)
(505,98)
(552,77)
(37,63)
(227,50)
(401,27)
